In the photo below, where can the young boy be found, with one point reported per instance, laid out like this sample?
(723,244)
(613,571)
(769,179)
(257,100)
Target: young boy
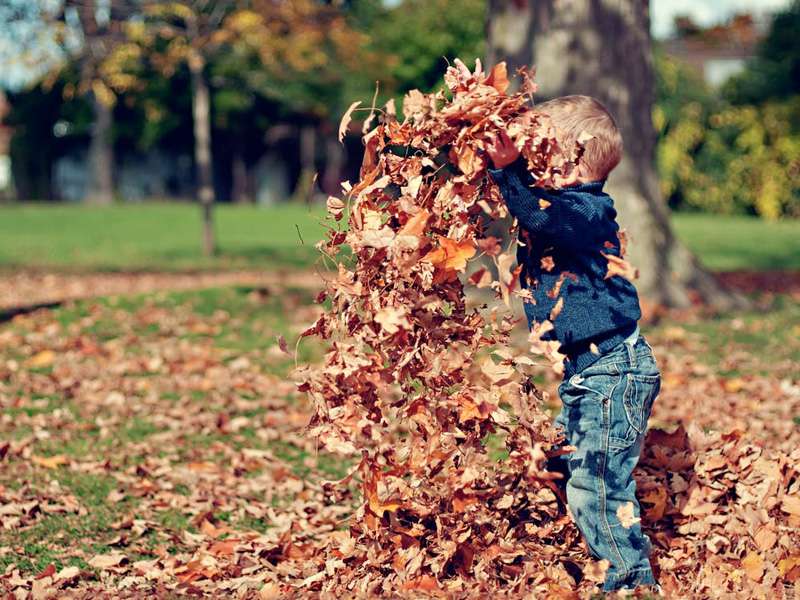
(611,377)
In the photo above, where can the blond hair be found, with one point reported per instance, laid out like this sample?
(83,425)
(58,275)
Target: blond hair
(574,115)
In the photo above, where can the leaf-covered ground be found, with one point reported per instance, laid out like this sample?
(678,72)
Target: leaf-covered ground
(153,445)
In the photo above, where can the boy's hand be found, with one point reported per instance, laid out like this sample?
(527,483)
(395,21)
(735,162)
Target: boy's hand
(501,149)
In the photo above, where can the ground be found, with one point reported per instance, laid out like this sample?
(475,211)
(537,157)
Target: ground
(156,441)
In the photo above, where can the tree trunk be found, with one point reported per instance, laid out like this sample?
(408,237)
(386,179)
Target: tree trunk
(240,186)
(602,48)
(334,162)
(100,189)
(305,184)
(201,111)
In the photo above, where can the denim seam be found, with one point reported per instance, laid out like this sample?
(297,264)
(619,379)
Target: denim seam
(605,525)
(613,579)
(615,363)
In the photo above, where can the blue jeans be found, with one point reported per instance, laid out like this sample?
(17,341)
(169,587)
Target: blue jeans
(604,414)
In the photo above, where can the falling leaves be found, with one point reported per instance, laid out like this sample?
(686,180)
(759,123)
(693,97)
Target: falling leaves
(451,256)
(620,266)
(405,347)
(346,118)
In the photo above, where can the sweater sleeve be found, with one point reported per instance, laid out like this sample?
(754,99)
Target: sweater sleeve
(574,222)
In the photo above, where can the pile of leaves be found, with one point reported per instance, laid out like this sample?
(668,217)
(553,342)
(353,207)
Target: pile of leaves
(416,383)
(426,394)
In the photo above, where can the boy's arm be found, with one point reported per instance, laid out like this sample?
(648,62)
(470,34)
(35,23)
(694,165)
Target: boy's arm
(575,223)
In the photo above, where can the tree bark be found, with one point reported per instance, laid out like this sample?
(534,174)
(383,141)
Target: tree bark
(602,48)
(201,112)
(100,189)
(308,150)
(240,187)
(334,162)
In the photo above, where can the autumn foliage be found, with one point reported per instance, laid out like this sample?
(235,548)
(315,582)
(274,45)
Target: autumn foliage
(422,389)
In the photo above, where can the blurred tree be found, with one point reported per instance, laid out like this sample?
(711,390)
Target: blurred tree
(417,38)
(100,29)
(775,71)
(178,33)
(603,48)
(35,113)
(305,57)
(725,158)
(81,33)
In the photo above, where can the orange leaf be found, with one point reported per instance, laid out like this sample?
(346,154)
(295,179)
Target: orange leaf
(423,583)
(376,505)
(50,462)
(498,78)
(224,547)
(658,498)
(753,565)
(41,359)
(790,568)
(416,224)
(791,505)
(451,255)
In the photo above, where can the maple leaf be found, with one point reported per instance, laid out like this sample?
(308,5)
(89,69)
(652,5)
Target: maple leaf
(45,358)
(392,319)
(450,255)
(753,565)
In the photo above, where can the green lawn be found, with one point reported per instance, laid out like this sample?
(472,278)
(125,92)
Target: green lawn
(156,236)
(729,243)
(167,236)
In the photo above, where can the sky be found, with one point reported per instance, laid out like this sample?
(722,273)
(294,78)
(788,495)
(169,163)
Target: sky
(705,12)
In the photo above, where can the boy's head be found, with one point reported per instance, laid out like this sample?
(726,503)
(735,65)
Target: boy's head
(573,115)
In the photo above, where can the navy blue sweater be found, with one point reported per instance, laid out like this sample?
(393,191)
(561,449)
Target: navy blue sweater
(574,230)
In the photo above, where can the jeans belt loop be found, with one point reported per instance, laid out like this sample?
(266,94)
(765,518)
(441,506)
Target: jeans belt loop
(629,343)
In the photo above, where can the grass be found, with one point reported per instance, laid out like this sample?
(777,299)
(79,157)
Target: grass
(155,236)
(166,236)
(760,341)
(730,243)
(244,323)
(252,322)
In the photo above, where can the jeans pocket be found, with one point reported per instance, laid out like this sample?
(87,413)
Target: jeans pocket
(640,391)
(580,387)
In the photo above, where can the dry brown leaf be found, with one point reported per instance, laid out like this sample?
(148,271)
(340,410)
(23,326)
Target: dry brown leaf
(106,561)
(346,118)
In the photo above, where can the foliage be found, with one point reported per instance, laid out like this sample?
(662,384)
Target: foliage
(417,38)
(726,158)
(152,445)
(775,71)
(416,384)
